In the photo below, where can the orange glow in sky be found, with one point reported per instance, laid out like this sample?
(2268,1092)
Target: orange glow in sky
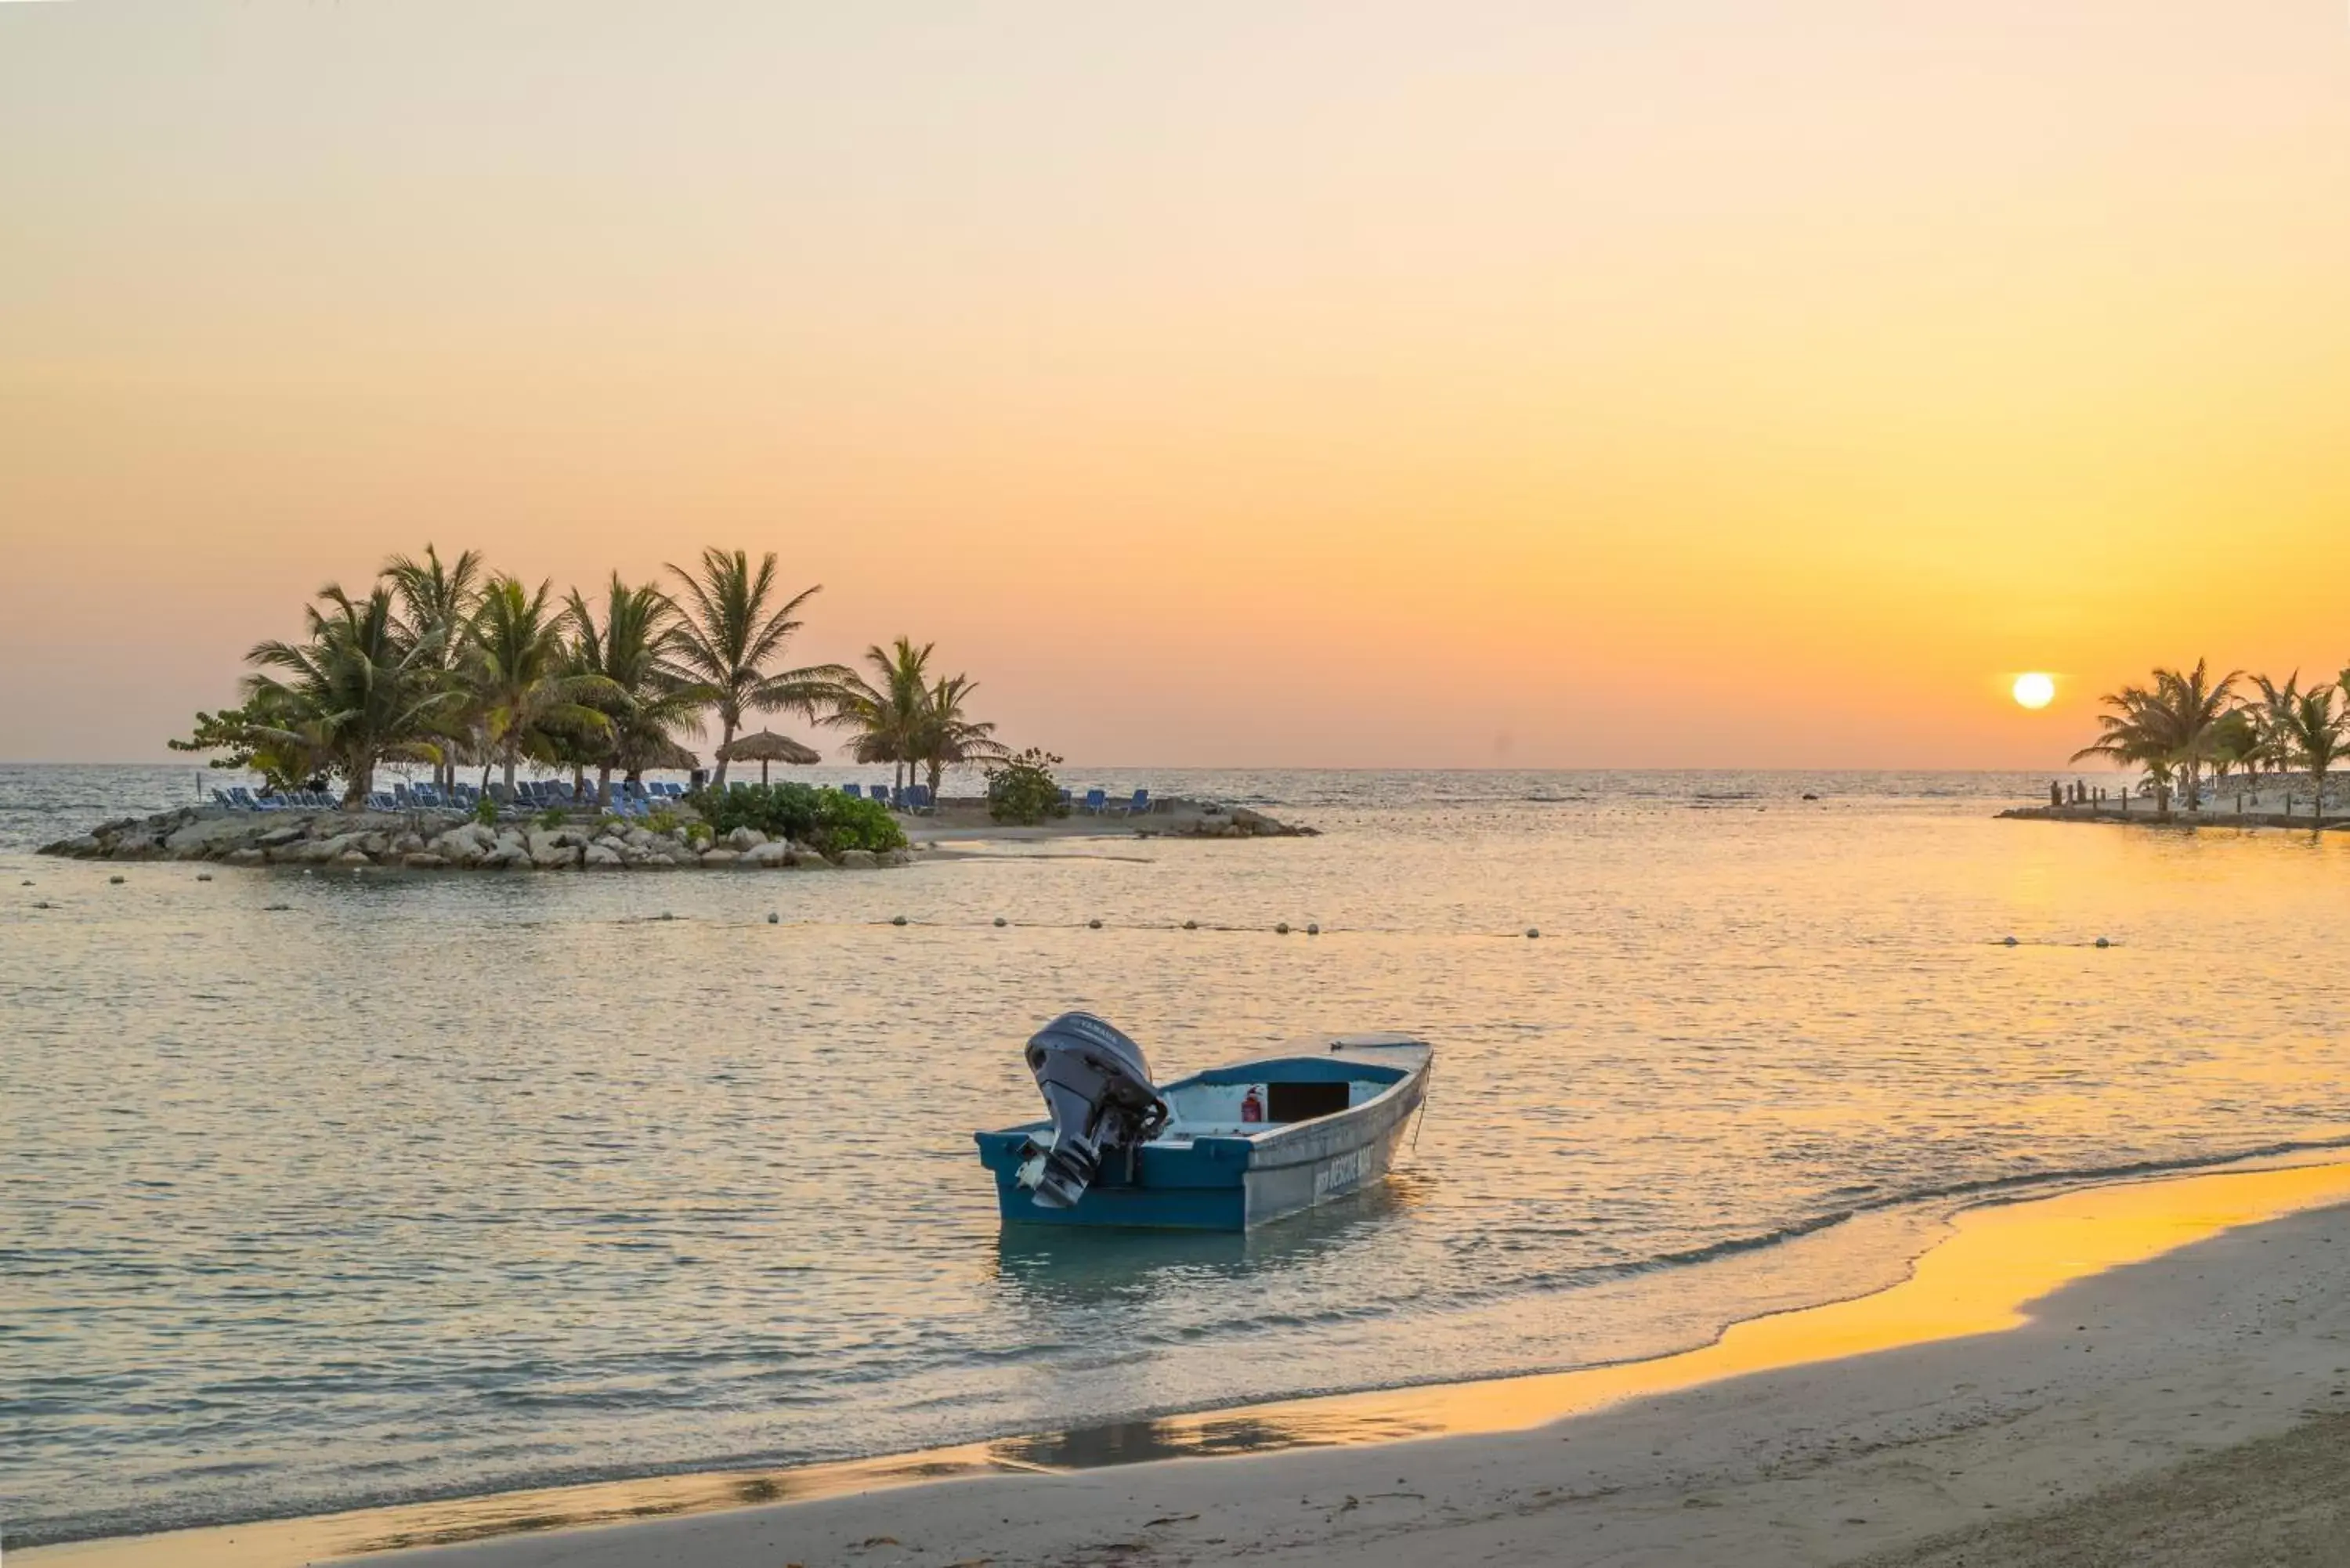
(1695,383)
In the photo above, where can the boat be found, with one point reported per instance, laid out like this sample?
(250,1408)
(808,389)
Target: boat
(1231,1148)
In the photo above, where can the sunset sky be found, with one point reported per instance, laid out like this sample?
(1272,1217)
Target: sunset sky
(1692,382)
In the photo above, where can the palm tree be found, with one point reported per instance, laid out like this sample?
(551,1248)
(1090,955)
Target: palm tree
(650,700)
(887,712)
(355,694)
(2271,751)
(2137,734)
(2170,730)
(947,735)
(2197,705)
(2316,735)
(730,633)
(436,601)
(519,674)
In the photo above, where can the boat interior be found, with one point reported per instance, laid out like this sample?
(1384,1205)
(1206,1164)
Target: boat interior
(1292,1091)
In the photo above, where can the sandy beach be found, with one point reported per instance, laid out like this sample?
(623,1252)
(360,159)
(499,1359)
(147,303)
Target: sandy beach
(2133,1372)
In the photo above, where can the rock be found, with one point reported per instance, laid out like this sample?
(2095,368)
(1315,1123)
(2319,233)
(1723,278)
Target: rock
(897,857)
(857,860)
(248,855)
(639,839)
(554,858)
(768,857)
(504,855)
(205,837)
(744,838)
(543,843)
(408,844)
(374,843)
(277,835)
(132,847)
(417,860)
(719,857)
(599,858)
(353,857)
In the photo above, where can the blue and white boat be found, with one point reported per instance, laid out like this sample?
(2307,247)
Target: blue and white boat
(1227,1149)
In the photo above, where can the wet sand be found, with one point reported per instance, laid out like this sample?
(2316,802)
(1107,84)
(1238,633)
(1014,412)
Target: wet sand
(2186,1341)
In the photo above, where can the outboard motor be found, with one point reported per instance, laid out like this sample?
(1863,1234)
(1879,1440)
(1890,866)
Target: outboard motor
(1098,1087)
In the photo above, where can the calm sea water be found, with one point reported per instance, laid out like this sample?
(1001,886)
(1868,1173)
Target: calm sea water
(443,1184)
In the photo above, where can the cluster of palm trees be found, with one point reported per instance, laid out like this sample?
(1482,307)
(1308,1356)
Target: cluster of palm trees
(2185,722)
(446,664)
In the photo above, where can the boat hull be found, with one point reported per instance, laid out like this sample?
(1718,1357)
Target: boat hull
(1231,1183)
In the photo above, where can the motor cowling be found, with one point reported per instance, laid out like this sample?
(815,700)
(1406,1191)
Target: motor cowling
(1097,1089)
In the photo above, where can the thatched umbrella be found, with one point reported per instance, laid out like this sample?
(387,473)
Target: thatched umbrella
(671,757)
(766,747)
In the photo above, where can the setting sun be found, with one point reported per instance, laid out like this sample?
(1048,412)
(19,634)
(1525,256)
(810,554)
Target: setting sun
(2035,690)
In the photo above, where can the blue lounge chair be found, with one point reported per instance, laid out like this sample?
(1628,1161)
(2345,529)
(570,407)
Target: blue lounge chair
(852,792)
(220,799)
(1097,801)
(1067,799)
(1139,804)
(918,797)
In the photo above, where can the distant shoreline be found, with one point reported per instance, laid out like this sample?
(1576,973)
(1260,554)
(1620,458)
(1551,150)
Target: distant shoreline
(2145,815)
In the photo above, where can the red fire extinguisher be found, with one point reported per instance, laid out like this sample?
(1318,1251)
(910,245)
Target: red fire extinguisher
(1252,1106)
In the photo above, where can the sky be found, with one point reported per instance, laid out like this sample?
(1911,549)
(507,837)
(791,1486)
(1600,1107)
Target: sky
(1707,383)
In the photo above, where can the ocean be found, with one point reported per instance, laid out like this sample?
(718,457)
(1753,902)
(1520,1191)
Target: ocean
(324,1190)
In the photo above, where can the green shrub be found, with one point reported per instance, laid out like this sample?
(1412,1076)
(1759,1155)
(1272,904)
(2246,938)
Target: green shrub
(1022,789)
(825,820)
(663,821)
(553,816)
(486,812)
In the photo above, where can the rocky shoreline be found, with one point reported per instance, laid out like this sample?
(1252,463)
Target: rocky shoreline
(426,841)
(438,841)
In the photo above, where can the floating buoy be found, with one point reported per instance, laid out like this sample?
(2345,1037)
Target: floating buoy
(665,915)
(2008,941)
(1531,932)
(1191,925)
(1281,928)
(1093,925)
(1313,930)
(1000,921)
(116,880)
(26,883)
(203,876)
(897,919)
(43,904)
(2102,943)
(267,908)
(773,919)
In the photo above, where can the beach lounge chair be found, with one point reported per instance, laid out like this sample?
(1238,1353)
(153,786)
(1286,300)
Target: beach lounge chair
(220,799)
(918,797)
(1139,804)
(1097,801)
(1067,799)
(852,792)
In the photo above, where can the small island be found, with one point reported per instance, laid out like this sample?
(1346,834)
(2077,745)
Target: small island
(449,668)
